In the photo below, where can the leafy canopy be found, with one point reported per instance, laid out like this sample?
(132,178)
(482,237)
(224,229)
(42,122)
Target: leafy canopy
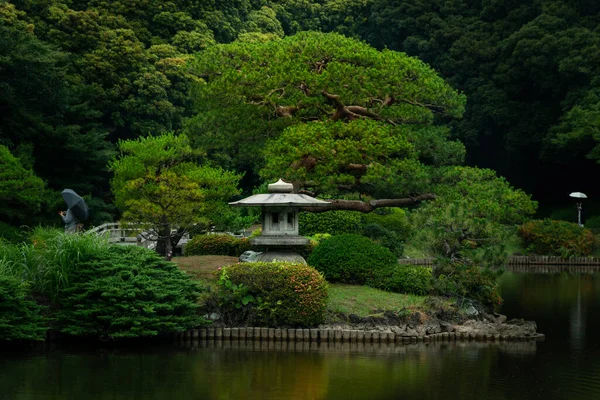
(351,112)
(158,180)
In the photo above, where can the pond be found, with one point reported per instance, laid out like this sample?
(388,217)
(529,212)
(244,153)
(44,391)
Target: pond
(565,366)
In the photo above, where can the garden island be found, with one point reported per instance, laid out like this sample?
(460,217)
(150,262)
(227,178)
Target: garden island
(299,199)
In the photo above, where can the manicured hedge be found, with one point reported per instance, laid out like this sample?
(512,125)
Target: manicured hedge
(223,245)
(350,259)
(388,227)
(561,238)
(273,294)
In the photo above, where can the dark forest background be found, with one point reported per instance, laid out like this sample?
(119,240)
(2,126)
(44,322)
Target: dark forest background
(76,76)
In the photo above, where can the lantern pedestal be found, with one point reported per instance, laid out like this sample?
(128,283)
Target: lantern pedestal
(281,255)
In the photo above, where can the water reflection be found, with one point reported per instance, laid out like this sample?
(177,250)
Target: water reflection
(259,370)
(577,322)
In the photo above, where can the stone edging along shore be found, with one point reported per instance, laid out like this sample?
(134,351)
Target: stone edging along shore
(344,335)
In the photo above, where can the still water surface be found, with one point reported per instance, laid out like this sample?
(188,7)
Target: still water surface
(565,366)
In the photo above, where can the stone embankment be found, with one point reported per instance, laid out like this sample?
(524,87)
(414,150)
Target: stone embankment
(374,330)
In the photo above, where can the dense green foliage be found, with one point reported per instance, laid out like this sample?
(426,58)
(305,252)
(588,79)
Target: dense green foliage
(388,227)
(48,261)
(471,217)
(350,259)
(339,118)
(21,192)
(10,233)
(93,289)
(338,113)
(273,294)
(561,238)
(224,245)
(530,71)
(20,316)
(126,291)
(467,280)
(77,76)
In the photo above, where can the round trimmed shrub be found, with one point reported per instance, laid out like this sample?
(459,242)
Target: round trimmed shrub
(222,245)
(560,238)
(350,259)
(273,294)
(127,291)
(20,317)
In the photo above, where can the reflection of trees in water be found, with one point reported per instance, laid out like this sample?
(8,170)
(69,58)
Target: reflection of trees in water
(257,370)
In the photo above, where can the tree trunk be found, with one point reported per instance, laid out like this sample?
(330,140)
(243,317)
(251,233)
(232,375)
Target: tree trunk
(164,246)
(367,207)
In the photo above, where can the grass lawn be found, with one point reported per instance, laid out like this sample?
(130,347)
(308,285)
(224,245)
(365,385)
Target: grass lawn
(364,301)
(203,267)
(343,299)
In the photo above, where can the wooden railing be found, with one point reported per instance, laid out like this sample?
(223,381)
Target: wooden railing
(525,261)
(125,234)
(425,262)
(139,234)
(553,260)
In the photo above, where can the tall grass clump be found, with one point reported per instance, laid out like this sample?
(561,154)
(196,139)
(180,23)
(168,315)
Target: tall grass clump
(57,255)
(49,259)
(18,261)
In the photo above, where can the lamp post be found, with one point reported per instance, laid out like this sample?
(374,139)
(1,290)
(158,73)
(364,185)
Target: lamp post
(579,197)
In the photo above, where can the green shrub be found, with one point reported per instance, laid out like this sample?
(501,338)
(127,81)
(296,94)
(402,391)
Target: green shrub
(593,222)
(350,259)
(467,280)
(11,233)
(549,237)
(403,279)
(20,317)
(315,240)
(273,294)
(389,227)
(390,219)
(385,237)
(332,222)
(568,214)
(127,291)
(223,245)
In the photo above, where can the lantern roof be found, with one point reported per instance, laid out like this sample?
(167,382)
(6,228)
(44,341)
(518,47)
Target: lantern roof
(280,194)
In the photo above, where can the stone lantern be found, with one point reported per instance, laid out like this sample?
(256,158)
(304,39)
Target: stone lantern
(280,209)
